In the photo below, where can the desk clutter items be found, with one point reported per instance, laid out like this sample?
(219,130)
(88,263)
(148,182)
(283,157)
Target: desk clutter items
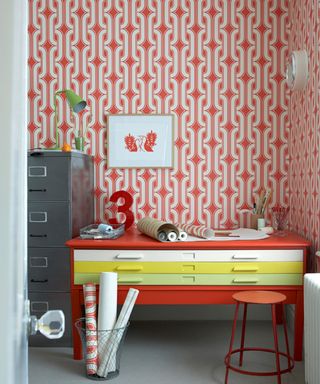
(102,231)
(161,230)
(260,205)
(280,217)
(103,340)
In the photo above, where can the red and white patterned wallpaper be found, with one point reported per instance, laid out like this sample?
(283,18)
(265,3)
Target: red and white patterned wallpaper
(304,173)
(218,66)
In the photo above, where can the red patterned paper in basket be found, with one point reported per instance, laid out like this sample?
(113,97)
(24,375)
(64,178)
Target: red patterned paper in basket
(89,292)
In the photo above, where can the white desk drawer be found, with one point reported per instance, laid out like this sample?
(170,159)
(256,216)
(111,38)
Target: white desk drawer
(179,255)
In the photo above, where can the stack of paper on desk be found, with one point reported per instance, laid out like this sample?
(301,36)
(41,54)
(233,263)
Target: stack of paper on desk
(235,234)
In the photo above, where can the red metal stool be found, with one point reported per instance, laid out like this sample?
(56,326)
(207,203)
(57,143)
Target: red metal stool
(259,297)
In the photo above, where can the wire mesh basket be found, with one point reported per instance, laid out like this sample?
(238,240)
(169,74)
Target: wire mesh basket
(101,350)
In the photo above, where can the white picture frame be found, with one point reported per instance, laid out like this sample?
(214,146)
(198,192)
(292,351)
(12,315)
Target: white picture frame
(140,141)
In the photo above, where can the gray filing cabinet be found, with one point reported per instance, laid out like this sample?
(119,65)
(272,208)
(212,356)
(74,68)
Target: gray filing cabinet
(60,202)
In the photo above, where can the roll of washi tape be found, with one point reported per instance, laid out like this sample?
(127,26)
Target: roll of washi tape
(105,228)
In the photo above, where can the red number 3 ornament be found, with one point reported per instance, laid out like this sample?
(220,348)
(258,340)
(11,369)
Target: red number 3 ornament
(124,208)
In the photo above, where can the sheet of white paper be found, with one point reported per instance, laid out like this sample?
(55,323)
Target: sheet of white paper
(234,235)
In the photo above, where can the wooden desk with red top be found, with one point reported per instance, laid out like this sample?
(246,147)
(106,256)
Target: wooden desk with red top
(276,263)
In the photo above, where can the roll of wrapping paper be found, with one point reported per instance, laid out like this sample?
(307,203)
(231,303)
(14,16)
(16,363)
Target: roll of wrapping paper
(107,315)
(155,229)
(90,304)
(110,350)
(197,230)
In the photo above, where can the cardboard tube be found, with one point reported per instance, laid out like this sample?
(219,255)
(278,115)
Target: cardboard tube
(153,228)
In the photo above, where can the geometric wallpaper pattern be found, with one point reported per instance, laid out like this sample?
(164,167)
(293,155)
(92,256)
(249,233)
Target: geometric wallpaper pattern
(304,140)
(217,66)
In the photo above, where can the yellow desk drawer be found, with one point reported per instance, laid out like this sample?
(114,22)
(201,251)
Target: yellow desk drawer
(193,279)
(195,268)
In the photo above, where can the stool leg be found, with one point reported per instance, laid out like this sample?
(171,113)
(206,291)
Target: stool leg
(243,332)
(275,336)
(231,342)
(286,336)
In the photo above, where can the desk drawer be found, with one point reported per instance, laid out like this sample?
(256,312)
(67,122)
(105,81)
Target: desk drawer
(176,256)
(193,268)
(191,279)
(48,269)
(48,224)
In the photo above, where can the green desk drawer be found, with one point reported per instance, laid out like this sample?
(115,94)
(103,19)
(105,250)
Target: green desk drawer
(194,279)
(187,267)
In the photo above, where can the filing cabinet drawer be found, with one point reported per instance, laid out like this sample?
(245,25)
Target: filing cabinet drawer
(42,302)
(48,178)
(48,224)
(48,269)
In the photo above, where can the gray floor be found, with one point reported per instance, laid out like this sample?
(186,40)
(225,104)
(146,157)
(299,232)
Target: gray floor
(170,352)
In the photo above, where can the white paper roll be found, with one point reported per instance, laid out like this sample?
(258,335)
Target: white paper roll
(172,236)
(183,236)
(107,314)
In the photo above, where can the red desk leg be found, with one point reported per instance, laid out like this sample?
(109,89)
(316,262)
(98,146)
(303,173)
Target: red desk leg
(298,327)
(76,314)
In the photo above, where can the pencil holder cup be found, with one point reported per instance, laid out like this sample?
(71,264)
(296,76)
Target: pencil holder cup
(254,220)
(101,350)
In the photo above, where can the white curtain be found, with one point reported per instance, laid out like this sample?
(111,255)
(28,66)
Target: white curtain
(13,191)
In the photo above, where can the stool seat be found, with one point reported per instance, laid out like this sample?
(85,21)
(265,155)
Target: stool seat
(259,297)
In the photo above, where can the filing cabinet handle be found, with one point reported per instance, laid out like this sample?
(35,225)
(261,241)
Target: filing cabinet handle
(39,281)
(36,153)
(245,281)
(38,235)
(38,190)
(129,268)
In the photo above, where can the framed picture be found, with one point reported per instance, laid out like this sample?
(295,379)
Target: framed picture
(140,141)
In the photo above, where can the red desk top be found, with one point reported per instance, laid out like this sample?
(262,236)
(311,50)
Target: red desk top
(133,239)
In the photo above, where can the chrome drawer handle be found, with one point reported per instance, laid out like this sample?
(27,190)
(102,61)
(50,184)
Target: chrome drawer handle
(120,256)
(246,281)
(244,257)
